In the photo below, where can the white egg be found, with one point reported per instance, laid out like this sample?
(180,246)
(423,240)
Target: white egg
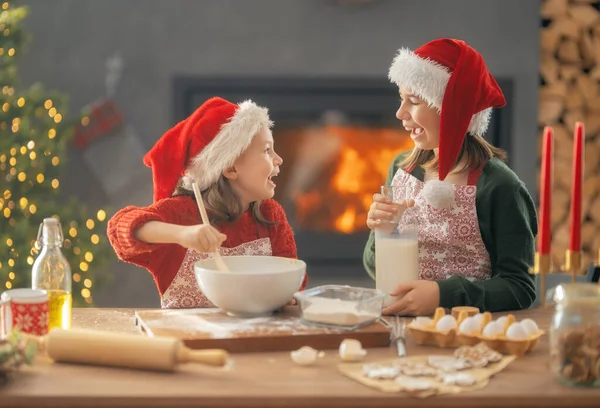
(516,332)
(422,322)
(493,329)
(469,325)
(478,318)
(446,323)
(305,356)
(530,326)
(351,350)
(501,321)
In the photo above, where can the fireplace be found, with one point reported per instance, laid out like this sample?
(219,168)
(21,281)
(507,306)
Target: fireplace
(337,138)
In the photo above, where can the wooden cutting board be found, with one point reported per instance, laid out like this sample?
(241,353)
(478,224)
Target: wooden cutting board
(213,328)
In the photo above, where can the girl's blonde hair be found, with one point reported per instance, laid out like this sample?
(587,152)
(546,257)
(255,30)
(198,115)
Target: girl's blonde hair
(222,203)
(475,150)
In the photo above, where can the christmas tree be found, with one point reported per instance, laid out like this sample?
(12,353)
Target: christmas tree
(34,134)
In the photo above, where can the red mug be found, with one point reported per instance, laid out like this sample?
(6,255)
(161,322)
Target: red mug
(28,311)
(4,305)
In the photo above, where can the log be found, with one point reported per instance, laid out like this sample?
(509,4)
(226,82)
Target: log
(563,136)
(557,90)
(585,207)
(572,116)
(561,236)
(560,207)
(592,162)
(549,69)
(587,86)
(568,72)
(550,111)
(594,212)
(587,50)
(560,243)
(562,174)
(554,8)
(596,43)
(588,233)
(596,32)
(592,124)
(584,15)
(567,27)
(549,40)
(558,217)
(568,51)
(594,105)
(563,146)
(574,100)
(594,249)
(591,186)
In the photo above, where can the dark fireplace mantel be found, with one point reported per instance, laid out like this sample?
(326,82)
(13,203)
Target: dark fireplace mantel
(296,99)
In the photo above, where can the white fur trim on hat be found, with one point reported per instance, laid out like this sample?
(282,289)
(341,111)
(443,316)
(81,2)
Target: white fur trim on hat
(428,80)
(228,145)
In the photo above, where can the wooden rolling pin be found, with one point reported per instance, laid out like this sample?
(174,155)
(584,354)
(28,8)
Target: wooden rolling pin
(124,350)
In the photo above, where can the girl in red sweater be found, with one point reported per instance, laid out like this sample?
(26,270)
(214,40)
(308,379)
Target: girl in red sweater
(228,150)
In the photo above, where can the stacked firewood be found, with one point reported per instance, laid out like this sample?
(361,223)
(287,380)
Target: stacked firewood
(570,92)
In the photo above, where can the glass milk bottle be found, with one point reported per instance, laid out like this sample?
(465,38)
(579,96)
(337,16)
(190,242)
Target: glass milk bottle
(52,273)
(396,247)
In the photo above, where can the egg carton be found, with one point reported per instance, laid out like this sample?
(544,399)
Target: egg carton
(451,331)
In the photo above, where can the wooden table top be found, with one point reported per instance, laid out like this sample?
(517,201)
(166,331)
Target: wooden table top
(272,379)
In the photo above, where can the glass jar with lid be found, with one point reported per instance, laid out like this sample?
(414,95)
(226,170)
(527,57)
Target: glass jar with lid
(575,334)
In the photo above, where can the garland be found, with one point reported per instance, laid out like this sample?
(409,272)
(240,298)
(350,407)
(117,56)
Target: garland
(15,351)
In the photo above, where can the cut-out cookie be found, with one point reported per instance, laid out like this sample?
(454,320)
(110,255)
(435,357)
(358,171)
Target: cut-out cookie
(381,372)
(410,384)
(447,363)
(415,369)
(462,379)
(479,355)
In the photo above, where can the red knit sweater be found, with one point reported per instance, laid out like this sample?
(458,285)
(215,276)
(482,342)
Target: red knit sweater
(164,260)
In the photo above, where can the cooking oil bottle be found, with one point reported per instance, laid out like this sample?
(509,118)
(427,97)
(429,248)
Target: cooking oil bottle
(52,273)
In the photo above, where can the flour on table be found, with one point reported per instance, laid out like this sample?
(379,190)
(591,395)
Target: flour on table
(214,323)
(336,312)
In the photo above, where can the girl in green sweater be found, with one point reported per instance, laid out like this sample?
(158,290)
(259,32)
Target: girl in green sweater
(477,222)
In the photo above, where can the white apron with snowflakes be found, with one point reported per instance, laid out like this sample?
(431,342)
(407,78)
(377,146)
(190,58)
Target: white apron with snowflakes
(184,292)
(450,241)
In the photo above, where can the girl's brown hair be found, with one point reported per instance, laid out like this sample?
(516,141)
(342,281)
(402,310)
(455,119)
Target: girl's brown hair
(475,150)
(222,203)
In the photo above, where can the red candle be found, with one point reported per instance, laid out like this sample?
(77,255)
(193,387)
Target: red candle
(546,191)
(575,216)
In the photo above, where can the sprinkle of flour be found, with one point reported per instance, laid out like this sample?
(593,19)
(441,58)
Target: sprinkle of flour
(216,324)
(336,312)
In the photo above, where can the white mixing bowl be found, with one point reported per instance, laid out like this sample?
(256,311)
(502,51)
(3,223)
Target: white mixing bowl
(253,286)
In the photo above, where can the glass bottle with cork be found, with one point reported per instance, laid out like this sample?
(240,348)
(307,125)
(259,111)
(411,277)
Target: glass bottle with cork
(52,273)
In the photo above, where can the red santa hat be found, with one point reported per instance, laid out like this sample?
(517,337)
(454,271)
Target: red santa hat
(202,146)
(451,76)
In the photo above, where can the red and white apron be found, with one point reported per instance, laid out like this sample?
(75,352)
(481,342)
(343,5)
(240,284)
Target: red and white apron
(184,291)
(450,241)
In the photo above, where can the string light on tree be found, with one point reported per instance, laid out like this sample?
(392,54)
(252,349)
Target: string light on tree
(34,134)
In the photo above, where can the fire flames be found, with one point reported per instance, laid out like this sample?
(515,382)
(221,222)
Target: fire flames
(351,171)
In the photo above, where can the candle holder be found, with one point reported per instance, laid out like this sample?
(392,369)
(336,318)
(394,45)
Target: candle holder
(542,266)
(573,264)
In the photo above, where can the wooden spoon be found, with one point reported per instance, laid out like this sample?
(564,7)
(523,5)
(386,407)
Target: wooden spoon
(218,260)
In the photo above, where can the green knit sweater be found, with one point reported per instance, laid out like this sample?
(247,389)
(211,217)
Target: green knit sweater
(508,225)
